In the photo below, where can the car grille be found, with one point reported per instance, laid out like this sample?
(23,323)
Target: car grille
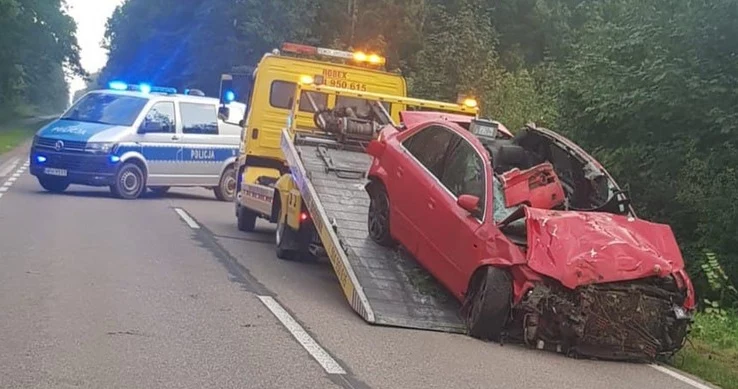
(69,145)
(78,162)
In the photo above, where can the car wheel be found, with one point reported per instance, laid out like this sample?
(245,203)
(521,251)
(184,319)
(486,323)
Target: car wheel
(489,303)
(246,219)
(378,222)
(226,189)
(129,182)
(159,190)
(53,184)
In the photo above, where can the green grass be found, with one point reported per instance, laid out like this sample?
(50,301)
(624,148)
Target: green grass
(14,133)
(712,353)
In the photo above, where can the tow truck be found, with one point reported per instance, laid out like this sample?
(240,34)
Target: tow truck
(269,93)
(326,206)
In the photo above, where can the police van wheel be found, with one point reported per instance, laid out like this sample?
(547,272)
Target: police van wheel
(53,184)
(226,189)
(246,219)
(129,182)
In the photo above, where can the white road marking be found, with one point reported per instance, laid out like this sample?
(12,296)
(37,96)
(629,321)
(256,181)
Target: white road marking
(16,174)
(321,356)
(680,377)
(4,188)
(12,179)
(187,219)
(9,167)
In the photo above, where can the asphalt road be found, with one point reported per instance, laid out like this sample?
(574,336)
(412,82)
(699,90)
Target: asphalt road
(97,292)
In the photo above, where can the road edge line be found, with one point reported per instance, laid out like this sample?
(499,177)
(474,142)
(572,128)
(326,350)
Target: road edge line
(681,377)
(9,167)
(187,218)
(330,365)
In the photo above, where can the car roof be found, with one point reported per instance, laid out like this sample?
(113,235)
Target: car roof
(159,96)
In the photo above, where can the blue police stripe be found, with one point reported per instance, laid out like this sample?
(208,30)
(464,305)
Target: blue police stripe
(180,153)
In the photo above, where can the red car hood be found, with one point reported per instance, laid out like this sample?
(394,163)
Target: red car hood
(579,248)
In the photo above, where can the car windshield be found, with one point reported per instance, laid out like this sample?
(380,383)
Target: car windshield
(106,108)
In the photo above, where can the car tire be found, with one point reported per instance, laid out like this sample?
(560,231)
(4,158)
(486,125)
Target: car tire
(489,303)
(159,190)
(378,219)
(226,189)
(130,182)
(53,184)
(246,219)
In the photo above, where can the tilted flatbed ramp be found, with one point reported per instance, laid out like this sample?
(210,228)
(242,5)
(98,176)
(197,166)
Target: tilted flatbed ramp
(382,285)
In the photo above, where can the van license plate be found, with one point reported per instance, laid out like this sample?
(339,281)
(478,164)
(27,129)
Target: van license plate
(55,172)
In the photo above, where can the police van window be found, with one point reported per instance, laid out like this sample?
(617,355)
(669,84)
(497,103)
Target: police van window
(163,113)
(361,107)
(199,118)
(106,108)
(281,94)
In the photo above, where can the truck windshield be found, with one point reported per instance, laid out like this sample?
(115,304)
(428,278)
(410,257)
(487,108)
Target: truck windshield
(106,108)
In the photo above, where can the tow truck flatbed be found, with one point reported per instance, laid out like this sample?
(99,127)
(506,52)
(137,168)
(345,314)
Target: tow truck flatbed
(384,286)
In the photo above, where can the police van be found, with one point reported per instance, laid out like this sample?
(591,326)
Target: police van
(137,137)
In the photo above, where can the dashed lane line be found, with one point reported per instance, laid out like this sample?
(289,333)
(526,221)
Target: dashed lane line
(9,166)
(308,343)
(187,218)
(14,177)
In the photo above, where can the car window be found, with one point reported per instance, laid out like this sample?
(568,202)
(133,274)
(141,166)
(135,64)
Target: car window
(281,94)
(199,118)
(429,147)
(464,171)
(163,113)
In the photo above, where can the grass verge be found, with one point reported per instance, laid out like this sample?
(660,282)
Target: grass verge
(14,133)
(712,353)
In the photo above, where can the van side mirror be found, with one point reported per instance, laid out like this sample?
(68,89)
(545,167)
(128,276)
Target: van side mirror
(375,148)
(151,126)
(468,203)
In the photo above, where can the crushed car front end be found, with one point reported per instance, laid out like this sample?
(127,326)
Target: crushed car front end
(638,321)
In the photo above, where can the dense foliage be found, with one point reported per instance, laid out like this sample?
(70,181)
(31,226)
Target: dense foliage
(648,85)
(37,48)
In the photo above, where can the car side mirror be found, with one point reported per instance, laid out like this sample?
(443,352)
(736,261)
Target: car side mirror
(375,148)
(151,126)
(468,202)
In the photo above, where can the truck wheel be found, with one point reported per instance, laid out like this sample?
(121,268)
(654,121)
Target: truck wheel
(226,189)
(489,303)
(159,190)
(378,222)
(129,182)
(246,219)
(285,241)
(53,184)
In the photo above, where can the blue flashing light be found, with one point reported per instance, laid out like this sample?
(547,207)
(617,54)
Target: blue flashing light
(145,88)
(118,85)
(114,159)
(40,158)
(230,96)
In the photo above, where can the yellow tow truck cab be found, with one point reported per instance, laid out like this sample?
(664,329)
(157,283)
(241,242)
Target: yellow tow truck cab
(261,161)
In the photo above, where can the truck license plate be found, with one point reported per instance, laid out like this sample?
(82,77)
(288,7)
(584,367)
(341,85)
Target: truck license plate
(55,172)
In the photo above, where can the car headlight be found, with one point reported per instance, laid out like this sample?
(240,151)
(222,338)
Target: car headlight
(99,147)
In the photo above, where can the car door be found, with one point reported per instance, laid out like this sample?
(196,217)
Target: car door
(416,178)
(201,152)
(159,141)
(455,233)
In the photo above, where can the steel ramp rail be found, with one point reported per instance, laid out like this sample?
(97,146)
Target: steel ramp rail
(383,286)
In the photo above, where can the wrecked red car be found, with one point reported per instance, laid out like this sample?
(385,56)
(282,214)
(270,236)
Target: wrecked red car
(532,235)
